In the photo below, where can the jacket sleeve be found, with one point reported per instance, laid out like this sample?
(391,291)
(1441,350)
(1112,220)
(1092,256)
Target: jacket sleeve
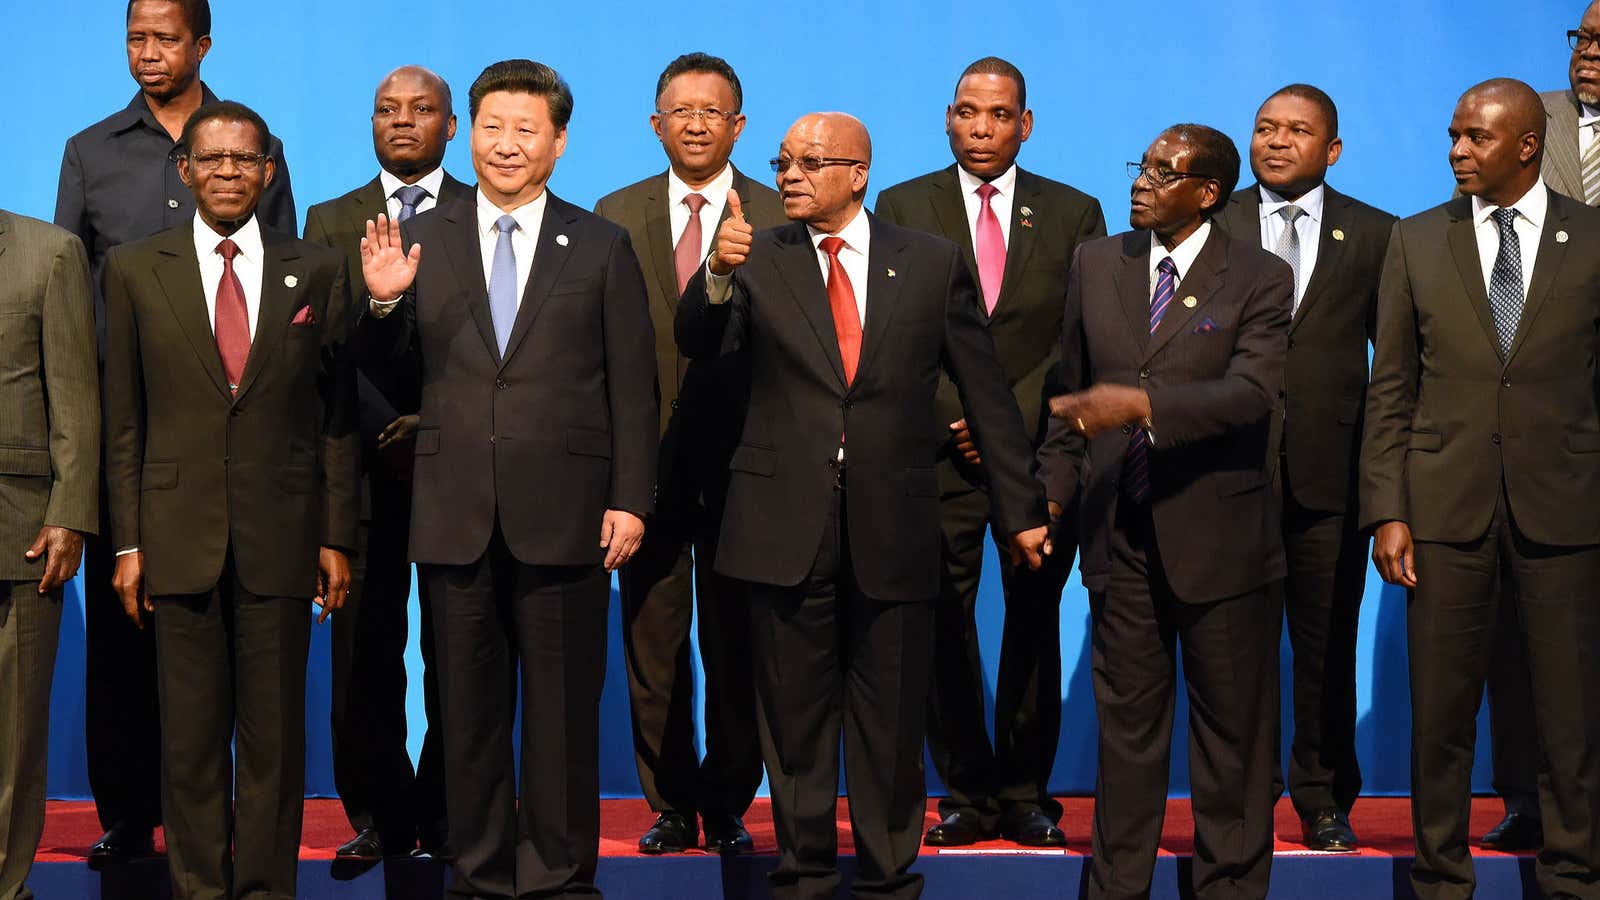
(706,330)
(1391,394)
(1062,453)
(341,441)
(72,390)
(124,406)
(630,381)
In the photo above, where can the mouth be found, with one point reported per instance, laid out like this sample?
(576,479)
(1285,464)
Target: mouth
(1276,162)
(980,155)
(1586,73)
(794,195)
(695,146)
(149,75)
(505,168)
(403,140)
(1462,174)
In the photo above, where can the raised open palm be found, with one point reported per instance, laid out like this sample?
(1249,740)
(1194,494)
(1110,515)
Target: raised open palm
(385,265)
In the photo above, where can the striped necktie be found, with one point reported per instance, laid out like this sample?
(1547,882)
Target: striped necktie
(1136,463)
(1591,167)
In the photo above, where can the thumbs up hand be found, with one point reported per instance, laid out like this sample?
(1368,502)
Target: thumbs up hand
(732,246)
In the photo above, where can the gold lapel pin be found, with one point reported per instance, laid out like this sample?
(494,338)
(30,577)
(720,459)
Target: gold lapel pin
(561,239)
(890,273)
(290,281)
(1190,302)
(1561,237)
(1338,234)
(1026,212)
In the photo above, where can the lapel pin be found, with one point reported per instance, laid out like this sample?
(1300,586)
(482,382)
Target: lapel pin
(290,281)
(561,239)
(1561,237)
(890,273)
(1026,223)
(1026,212)
(1190,302)
(1338,234)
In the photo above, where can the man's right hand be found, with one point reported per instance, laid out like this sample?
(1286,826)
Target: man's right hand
(385,265)
(1393,554)
(128,582)
(732,246)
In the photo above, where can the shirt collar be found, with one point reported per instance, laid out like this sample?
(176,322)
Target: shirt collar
(137,112)
(677,188)
(855,234)
(1311,203)
(432,182)
(1533,205)
(1183,255)
(1005,183)
(248,239)
(528,215)
(1587,115)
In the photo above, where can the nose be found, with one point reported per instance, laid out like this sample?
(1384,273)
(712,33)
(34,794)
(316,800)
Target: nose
(1458,149)
(695,125)
(1278,137)
(150,50)
(982,126)
(404,115)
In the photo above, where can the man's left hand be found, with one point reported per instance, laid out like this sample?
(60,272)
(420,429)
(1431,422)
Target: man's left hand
(620,534)
(398,430)
(61,548)
(1031,546)
(1101,408)
(333,581)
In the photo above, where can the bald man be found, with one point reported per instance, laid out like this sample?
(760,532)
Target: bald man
(1479,467)
(391,807)
(833,505)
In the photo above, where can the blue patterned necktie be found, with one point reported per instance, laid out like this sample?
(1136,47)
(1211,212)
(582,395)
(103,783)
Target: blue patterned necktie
(1505,281)
(503,283)
(1136,464)
(410,196)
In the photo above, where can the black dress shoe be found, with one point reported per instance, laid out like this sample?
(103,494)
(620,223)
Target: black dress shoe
(1517,832)
(1032,829)
(1328,831)
(726,835)
(120,845)
(958,829)
(434,849)
(672,833)
(366,846)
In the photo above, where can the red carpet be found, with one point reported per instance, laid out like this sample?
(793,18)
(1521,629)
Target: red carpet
(1384,825)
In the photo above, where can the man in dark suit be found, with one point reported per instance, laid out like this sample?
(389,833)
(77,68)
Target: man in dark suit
(389,805)
(119,184)
(672,218)
(233,465)
(535,467)
(1018,232)
(1480,458)
(49,473)
(1172,353)
(1335,246)
(834,499)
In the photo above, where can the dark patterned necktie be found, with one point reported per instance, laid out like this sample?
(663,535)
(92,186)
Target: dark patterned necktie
(1136,464)
(1505,281)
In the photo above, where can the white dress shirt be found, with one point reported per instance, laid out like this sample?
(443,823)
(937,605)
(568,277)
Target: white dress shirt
(1183,255)
(857,237)
(1308,226)
(1005,186)
(432,182)
(716,194)
(246,265)
(1588,118)
(524,238)
(1528,225)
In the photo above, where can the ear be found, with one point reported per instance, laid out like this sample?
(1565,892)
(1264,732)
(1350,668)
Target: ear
(450,129)
(268,170)
(184,173)
(1335,150)
(737,124)
(1027,124)
(202,47)
(949,117)
(655,124)
(1210,193)
(561,141)
(1531,145)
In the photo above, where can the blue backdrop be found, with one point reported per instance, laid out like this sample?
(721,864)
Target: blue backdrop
(1102,80)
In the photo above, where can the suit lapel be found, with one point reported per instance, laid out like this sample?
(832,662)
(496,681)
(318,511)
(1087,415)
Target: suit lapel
(453,189)
(1199,284)
(5,222)
(278,304)
(658,241)
(1561,148)
(1020,246)
(883,292)
(549,258)
(367,203)
(798,264)
(950,210)
(1133,284)
(1464,250)
(1330,251)
(178,270)
(465,257)
(1551,254)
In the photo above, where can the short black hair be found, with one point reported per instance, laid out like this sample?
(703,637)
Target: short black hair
(1215,157)
(196,14)
(1315,96)
(994,65)
(230,110)
(524,76)
(706,63)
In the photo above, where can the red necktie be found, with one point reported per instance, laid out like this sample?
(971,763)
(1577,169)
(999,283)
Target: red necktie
(991,248)
(233,318)
(686,256)
(842,300)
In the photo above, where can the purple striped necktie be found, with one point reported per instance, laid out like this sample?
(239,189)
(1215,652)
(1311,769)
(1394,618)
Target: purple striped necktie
(1136,465)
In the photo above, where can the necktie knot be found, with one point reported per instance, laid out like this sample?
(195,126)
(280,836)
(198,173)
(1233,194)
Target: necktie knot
(411,194)
(1167,267)
(1503,219)
(227,249)
(986,191)
(1291,213)
(695,202)
(831,245)
(506,224)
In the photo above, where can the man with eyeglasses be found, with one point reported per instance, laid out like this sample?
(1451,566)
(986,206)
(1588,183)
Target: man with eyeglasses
(833,503)
(672,218)
(1172,354)
(119,184)
(1572,146)
(1018,232)
(233,463)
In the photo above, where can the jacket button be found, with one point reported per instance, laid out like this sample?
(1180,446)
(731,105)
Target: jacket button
(1281,394)
(1505,382)
(1495,437)
(491,438)
(847,404)
(1127,429)
(674,402)
(1144,373)
(172,203)
(1291,343)
(500,383)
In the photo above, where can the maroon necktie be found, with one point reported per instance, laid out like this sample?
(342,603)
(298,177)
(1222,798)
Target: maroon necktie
(686,256)
(842,300)
(233,318)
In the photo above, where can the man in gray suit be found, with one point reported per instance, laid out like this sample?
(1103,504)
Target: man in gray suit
(49,477)
(1572,117)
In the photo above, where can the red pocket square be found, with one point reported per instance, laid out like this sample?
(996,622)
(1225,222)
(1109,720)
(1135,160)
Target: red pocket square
(304,317)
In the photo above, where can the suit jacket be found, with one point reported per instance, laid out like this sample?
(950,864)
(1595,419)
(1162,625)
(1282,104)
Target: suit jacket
(921,316)
(546,439)
(1212,371)
(271,472)
(49,397)
(1318,423)
(1449,422)
(1562,168)
(701,401)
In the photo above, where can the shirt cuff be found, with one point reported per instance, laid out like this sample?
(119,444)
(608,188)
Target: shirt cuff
(380,308)
(718,287)
(128,551)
